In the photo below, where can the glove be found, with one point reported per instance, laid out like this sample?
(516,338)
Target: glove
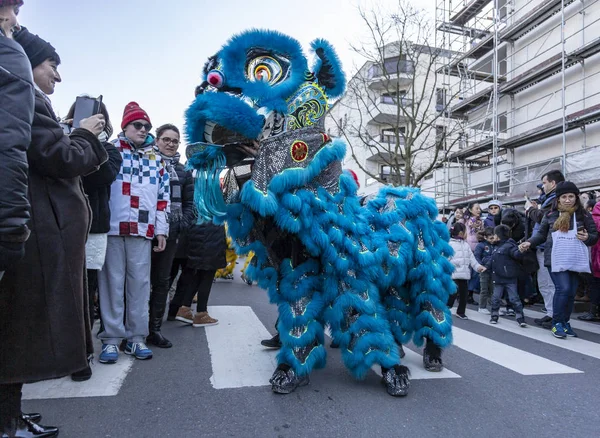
(11,253)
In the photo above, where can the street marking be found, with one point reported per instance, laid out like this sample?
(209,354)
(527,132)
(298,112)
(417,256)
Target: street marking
(106,380)
(414,362)
(520,361)
(539,334)
(575,323)
(236,355)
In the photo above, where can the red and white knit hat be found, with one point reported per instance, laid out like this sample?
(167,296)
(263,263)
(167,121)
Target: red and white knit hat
(132,113)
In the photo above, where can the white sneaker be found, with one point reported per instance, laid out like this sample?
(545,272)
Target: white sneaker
(484,311)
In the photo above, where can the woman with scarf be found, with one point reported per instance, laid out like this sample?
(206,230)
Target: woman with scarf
(567,230)
(474,223)
(181,217)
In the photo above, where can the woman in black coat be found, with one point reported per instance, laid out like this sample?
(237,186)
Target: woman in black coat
(42,316)
(566,215)
(204,247)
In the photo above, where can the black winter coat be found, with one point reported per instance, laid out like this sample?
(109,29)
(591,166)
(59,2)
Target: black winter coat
(16,115)
(181,191)
(44,323)
(505,262)
(544,233)
(204,247)
(97,188)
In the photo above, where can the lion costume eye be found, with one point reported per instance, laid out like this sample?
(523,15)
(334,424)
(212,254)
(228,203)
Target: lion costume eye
(267,69)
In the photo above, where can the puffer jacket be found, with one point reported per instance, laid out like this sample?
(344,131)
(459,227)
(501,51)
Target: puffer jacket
(462,259)
(204,247)
(16,115)
(544,233)
(505,262)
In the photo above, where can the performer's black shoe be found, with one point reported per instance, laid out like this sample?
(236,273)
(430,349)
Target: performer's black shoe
(432,357)
(285,380)
(25,428)
(274,342)
(396,380)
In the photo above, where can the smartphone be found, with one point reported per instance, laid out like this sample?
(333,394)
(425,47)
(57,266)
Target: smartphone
(580,228)
(85,107)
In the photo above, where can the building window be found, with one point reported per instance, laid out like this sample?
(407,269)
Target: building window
(440,138)
(391,66)
(440,99)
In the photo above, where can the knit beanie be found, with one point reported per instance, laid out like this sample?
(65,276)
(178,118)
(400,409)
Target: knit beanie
(132,113)
(495,202)
(566,187)
(11,3)
(36,49)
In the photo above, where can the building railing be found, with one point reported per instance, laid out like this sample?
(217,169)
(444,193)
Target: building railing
(391,68)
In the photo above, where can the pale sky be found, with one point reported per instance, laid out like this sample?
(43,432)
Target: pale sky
(153,52)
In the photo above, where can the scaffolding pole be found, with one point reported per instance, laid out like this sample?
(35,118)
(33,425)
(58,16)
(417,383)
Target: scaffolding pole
(564,103)
(495,106)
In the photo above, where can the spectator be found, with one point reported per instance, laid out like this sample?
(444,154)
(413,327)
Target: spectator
(565,230)
(589,206)
(204,247)
(463,261)
(44,299)
(181,217)
(454,217)
(505,270)
(494,214)
(594,290)
(139,203)
(483,255)
(536,214)
(97,188)
(474,224)
(16,95)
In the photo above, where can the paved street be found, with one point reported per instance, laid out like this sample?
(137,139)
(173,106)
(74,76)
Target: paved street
(500,380)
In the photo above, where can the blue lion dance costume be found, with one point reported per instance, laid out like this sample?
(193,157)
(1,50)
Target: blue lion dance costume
(376,272)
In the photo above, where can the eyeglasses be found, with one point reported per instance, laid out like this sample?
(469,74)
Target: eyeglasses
(168,140)
(140,125)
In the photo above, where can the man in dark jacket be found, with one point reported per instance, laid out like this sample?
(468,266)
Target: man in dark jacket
(536,213)
(181,217)
(16,115)
(42,315)
(505,270)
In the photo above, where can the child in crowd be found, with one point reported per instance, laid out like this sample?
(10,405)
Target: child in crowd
(483,255)
(462,259)
(505,270)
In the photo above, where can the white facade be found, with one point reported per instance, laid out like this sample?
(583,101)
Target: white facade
(547,77)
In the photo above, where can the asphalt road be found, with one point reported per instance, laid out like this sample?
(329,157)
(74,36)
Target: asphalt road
(504,381)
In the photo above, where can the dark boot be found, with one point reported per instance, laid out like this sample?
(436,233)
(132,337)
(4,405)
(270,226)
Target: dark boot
(432,357)
(274,342)
(285,380)
(158,303)
(396,380)
(24,428)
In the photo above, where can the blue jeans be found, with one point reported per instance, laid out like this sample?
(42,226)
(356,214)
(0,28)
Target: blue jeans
(513,297)
(565,288)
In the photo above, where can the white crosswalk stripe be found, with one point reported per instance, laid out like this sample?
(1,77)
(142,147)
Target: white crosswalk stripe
(575,323)
(539,334)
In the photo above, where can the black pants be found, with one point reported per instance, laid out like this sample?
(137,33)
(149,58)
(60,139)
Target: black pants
(192,282)
(463,293)
(10,403)
(92,277)
(160,274)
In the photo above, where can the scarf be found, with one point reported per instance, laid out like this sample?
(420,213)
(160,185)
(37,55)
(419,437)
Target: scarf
(176,210)
(565,218)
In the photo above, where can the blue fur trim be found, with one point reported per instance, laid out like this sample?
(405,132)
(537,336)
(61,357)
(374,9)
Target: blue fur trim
(328,68)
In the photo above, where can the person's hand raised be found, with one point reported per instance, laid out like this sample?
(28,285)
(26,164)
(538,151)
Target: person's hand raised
(94,124)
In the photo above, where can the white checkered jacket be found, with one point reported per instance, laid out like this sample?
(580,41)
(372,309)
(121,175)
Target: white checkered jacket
(139,198)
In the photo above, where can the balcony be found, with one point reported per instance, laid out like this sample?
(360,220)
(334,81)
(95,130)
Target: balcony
(393,73)
(386,112)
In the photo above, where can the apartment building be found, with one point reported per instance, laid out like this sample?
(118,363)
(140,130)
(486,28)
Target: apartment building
(526,89)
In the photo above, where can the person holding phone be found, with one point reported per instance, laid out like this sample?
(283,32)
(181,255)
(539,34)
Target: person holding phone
(139,205)
(567,231)
(43,328)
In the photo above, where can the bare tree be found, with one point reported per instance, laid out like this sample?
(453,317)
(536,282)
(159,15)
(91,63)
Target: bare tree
(397,102)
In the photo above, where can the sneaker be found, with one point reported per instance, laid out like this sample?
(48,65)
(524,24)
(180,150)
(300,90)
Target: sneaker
(569,331)
(541,321)
(184,314)
(138,350)
(274,342)
(510,312)
(203,319)
(463,316)
(484,311)
(543,309)
(547,325)
(521,322)
(558,330)
(494,319)
(110,354)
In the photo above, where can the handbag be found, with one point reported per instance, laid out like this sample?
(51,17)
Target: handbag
(568,252)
